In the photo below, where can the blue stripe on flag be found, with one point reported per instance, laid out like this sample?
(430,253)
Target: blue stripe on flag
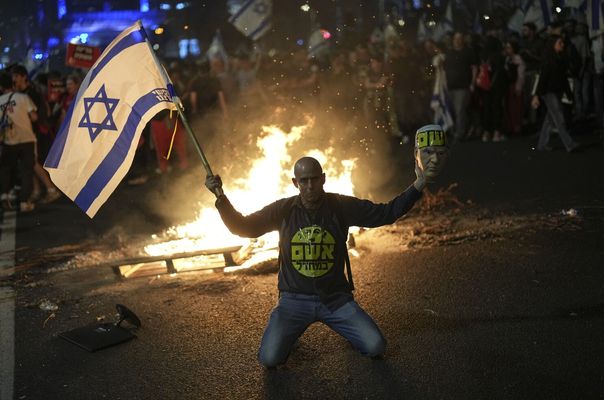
(262,25)
(56,151)
(244,7)
(595,15)
(130,40)
(115,158)
(545,10)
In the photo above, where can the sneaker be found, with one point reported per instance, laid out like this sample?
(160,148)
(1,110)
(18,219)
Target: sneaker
(486,137)
(545,148)
(26,206)
(52,194)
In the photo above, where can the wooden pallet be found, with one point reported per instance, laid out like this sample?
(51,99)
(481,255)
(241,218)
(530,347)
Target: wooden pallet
(208,259)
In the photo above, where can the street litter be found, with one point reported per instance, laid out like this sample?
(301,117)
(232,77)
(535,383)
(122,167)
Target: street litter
(48,305)
(571,212)
(98,336)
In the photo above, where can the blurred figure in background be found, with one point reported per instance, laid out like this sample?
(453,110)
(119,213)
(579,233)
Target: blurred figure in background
(552,85)
(44,135)
(514,102)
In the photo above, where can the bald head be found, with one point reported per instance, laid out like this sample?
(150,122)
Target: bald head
(307,166)
(309,179)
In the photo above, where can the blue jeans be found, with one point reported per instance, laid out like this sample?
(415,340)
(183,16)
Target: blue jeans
(296,312)
(554,117)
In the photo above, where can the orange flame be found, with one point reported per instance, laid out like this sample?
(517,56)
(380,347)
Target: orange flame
(264,183)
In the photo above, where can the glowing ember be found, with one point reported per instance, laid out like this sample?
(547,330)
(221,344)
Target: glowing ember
(268,180)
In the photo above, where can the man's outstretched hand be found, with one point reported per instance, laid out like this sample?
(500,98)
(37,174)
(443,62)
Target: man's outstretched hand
(214,184)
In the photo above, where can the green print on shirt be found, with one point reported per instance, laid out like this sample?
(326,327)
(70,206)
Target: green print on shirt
(313,251)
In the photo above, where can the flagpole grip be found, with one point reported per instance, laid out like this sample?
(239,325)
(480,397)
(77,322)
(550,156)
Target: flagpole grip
(218,191)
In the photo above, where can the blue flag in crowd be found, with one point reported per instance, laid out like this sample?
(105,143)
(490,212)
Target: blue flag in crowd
(95,145)
(253,19)
(595,19)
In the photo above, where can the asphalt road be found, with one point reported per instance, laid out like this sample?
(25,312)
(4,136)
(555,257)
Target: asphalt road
(502,298)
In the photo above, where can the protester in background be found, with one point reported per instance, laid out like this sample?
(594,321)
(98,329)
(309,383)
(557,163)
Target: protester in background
(19,141)
(461,67)
(514,103)
(582,80)
(42,130)
(531,46)
(552,85)
(163,129)
(72,85)
(491,84)
(314,284)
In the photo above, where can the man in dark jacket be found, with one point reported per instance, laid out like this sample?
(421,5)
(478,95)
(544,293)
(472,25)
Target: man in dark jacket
(315,282)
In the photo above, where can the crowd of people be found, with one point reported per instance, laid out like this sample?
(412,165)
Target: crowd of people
(490,87)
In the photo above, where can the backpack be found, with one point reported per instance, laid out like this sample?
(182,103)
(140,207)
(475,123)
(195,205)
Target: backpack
(334,205)
(483,79)
(6,125)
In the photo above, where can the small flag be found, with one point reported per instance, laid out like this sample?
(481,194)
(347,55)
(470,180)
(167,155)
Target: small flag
(217,49)
(440,102)
(95,145)
(253,19)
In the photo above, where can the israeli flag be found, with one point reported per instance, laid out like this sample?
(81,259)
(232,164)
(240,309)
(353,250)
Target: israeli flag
(253,19)
(440,101)
(217,50)
(538,12)
(95,145)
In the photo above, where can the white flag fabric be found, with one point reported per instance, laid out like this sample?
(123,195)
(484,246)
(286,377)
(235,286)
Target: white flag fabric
(538,12)
(216,49)
(516,21)
(95,145)
(253,19)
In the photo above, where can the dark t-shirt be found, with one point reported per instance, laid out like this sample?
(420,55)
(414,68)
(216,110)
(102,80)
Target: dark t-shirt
(458,67)
(207,88)
(313,247)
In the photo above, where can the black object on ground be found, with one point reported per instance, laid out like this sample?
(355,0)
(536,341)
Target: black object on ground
(100,336)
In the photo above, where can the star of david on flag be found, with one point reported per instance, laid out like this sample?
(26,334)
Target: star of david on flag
(95,145)
(253,19)
(107,123)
